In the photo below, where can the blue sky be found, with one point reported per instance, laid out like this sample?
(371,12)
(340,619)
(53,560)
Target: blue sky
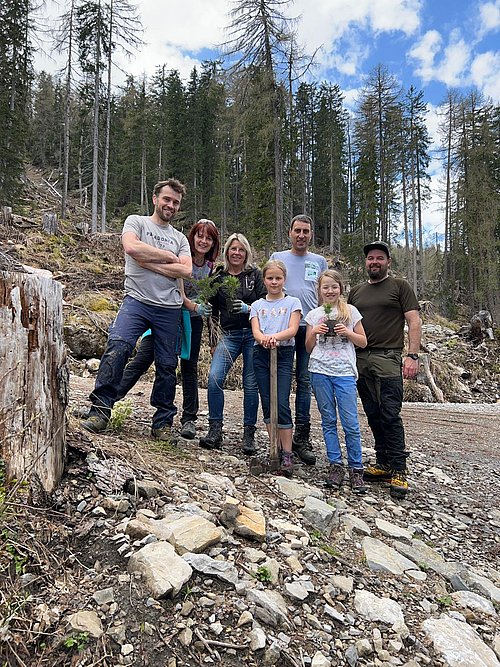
(432,44)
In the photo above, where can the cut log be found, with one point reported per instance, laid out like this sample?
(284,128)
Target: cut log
(34,380)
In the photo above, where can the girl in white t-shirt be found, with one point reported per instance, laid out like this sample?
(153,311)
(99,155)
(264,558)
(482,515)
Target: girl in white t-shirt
(275,319)
(330,340)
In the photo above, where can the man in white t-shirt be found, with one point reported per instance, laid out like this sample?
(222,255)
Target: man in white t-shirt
(157,257)
(303,271)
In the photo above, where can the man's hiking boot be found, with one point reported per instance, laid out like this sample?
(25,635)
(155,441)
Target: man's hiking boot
(399,484)
(377,472)
(165,434)
(95,423)
(356,480)
(248,444)
(335,476)
(213,439)
(301,444)
(188,430)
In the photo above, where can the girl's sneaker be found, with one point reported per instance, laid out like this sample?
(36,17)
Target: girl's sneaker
(335,476)
(286,462)
(356,479)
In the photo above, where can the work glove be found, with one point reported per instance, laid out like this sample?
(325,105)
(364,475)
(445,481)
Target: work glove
(240,307)
(204,309)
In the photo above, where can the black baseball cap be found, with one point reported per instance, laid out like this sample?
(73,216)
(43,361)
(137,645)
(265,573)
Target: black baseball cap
(377,245)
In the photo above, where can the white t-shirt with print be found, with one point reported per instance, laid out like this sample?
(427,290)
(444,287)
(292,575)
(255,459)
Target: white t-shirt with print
(335,355)
(274,316)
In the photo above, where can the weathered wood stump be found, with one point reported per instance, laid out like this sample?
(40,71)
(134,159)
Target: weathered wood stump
(34,380)
(6,215)
(49,223)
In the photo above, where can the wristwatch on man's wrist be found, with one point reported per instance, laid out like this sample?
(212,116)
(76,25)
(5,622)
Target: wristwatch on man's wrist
(413,356)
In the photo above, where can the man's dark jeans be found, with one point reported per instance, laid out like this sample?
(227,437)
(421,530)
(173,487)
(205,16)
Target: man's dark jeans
(189,370)
(302,379)
(132,320)
(380,387)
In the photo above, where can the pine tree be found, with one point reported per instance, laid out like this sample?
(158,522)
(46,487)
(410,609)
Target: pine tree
(15,77)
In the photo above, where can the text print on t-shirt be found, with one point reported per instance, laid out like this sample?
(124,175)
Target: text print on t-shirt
(162,240)
(311,271)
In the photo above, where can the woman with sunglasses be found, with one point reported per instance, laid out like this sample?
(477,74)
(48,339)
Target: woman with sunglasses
(231,314)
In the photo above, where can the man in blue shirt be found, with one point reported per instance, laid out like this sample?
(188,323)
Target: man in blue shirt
(303,271)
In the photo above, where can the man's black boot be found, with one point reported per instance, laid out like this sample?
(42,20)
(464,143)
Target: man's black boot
(248,444)
(301,444)
(213,439)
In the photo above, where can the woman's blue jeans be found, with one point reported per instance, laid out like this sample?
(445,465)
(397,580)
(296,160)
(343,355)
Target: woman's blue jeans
(261,364)
(334,393)
(229,348)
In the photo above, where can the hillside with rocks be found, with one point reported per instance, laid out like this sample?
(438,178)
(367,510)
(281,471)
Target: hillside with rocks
(179,557)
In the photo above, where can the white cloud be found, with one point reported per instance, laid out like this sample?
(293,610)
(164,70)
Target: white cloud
(489,15)
(432,121)
(485,74)
(450,68)
(425,52)
(330,21)
(456,57)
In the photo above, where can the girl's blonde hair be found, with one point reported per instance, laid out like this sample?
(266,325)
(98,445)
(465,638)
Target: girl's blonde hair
(244,242)
(343,310)
(274,264)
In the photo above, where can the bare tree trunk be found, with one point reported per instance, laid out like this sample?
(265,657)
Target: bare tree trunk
(95,141)
(34,383)
(105,169)
(67,110)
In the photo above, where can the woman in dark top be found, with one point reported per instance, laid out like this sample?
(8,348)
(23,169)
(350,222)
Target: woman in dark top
(231,314)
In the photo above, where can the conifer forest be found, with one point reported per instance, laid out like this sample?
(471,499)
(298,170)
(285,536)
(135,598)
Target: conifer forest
(257,140)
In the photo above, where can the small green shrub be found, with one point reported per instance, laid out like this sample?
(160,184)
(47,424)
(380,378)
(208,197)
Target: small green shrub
(78,641)
(121,411)
(263,574)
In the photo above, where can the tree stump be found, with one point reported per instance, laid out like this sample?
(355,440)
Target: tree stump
(49,223)
(34,380)
(6,215)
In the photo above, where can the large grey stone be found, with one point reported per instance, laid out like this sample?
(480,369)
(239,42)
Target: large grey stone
(271,603)
(482,585)
(221,569)
(86,621)
(319,515)
(421,554)
(354,524)
(471,600)
(295,490)
(381,557)
(378,609)
(164,572)
(392,530)
(458,644)
(193,534)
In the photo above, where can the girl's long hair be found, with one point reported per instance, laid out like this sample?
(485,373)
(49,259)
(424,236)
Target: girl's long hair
(343,310)
(211,231)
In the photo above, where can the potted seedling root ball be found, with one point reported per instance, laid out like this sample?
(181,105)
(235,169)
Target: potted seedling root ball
(330,320)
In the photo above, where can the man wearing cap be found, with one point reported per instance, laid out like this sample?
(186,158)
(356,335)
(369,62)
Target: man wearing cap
(386,303)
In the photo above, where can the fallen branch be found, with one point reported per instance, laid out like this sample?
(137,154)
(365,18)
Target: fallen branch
(438,394)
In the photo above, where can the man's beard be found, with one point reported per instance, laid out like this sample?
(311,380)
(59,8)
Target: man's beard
(165,217)
(377,273)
